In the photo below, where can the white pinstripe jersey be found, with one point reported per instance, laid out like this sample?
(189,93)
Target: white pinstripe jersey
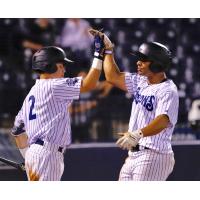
(149,101)
(45,110)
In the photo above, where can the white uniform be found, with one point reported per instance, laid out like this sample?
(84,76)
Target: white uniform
(47,123)
(155,159)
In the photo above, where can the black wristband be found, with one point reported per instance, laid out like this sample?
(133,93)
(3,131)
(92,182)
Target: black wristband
(98,55)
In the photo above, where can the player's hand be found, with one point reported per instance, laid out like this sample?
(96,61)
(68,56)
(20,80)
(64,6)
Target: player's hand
(129,140)
(107,42)
(99,46)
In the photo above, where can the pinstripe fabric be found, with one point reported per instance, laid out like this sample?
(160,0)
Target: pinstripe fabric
(150,101)
(147,165)
(47,164)
(46,117)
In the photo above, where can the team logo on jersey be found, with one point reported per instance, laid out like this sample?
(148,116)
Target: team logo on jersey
(146,101)
(71,81)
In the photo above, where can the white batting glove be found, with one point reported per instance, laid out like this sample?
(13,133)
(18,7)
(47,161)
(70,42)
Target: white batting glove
(108,44)
(129,139)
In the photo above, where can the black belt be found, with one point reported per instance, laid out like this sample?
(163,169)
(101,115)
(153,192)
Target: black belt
(137,148)
(41,142)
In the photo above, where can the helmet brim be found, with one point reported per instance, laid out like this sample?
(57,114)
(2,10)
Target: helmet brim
(66,60)
(140,56)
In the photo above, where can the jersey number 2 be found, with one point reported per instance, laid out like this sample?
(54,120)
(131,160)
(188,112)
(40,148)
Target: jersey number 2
(31,115)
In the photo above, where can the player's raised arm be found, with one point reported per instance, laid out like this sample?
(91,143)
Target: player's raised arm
(112,72)
(90,81)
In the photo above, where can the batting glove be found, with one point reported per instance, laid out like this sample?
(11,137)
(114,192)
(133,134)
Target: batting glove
(129,139)
(108,44)
(99,46)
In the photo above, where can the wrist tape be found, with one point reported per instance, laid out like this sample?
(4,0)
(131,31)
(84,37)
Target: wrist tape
(98,55)
(97,64)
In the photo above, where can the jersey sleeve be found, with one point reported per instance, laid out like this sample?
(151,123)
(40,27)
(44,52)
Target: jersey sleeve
(131,81)
(168,103)
(19,126)
(67,88)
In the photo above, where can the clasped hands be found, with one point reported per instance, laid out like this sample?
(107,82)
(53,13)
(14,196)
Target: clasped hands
(98,35)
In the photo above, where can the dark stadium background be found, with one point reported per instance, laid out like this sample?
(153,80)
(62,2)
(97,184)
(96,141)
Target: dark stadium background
(102,114)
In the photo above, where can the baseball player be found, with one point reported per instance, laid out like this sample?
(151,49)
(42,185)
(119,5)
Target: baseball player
(42,127)
(154,112)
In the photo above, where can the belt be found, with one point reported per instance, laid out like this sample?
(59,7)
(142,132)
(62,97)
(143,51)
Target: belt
(41,142)
(138,148)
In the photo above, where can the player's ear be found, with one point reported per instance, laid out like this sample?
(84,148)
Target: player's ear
(59,66)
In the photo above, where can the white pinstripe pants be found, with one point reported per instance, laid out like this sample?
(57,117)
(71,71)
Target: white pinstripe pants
(147,165)
(43,164)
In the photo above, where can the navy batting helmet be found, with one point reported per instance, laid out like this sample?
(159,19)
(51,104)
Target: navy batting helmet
(157,53)
(45,59)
